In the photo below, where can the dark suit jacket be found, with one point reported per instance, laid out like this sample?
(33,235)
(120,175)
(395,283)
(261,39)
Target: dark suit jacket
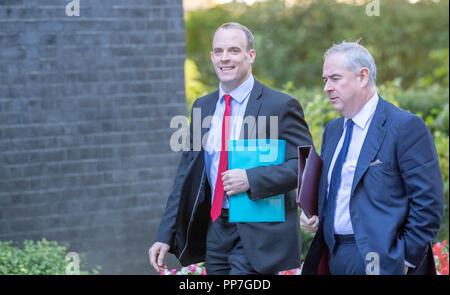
(270,246)
(396,206)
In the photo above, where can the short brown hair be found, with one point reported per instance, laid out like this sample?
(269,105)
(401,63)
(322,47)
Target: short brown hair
(248,33)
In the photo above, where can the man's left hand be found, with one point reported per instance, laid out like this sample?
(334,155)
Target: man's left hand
(235,181)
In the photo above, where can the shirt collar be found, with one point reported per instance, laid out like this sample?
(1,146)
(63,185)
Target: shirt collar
(362,117)
(240,92)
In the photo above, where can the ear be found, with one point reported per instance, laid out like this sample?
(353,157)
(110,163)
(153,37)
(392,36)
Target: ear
(252,54)
(364,76)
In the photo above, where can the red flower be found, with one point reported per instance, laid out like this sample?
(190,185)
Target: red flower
(440,252)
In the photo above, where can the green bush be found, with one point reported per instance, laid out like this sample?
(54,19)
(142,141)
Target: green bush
(36,258)
(306,243)
(317,109)
(290,40)
(194,88)
(442,146)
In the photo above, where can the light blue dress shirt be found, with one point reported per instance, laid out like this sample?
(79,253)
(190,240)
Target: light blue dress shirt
(213,145)
(362,120)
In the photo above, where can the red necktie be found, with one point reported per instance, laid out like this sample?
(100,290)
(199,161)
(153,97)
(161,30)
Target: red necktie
(216,207)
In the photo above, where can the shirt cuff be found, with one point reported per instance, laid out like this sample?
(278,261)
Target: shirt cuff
(409,264)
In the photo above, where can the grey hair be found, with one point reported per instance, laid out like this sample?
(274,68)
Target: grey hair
(356,57)
(248,33)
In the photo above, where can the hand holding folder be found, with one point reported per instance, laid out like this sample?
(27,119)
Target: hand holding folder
(309,171)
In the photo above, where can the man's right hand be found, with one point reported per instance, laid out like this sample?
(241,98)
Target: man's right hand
(311,225)
(157,253)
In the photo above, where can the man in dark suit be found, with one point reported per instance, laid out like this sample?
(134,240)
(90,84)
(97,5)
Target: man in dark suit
(381,189)
(195,225)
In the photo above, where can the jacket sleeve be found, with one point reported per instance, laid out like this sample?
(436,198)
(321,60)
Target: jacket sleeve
(267,181)
(419,167)
(166,231)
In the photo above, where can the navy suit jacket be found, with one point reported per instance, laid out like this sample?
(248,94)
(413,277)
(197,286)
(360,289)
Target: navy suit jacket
(270,246)
(395,206)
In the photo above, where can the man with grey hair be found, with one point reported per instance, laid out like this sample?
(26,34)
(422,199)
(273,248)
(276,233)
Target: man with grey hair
(381,189)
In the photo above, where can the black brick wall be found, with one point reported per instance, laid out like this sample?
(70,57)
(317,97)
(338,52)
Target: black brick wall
(85,107)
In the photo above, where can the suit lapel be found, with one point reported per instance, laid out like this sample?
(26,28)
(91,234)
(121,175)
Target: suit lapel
(372,143)
(332,142)
(251,111)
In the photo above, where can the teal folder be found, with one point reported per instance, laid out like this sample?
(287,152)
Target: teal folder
(250,153)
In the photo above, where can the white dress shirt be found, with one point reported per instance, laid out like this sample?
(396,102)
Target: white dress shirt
(362,120)
(214,142)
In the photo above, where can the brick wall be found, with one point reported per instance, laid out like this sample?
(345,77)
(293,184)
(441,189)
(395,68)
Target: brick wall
(85,106)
